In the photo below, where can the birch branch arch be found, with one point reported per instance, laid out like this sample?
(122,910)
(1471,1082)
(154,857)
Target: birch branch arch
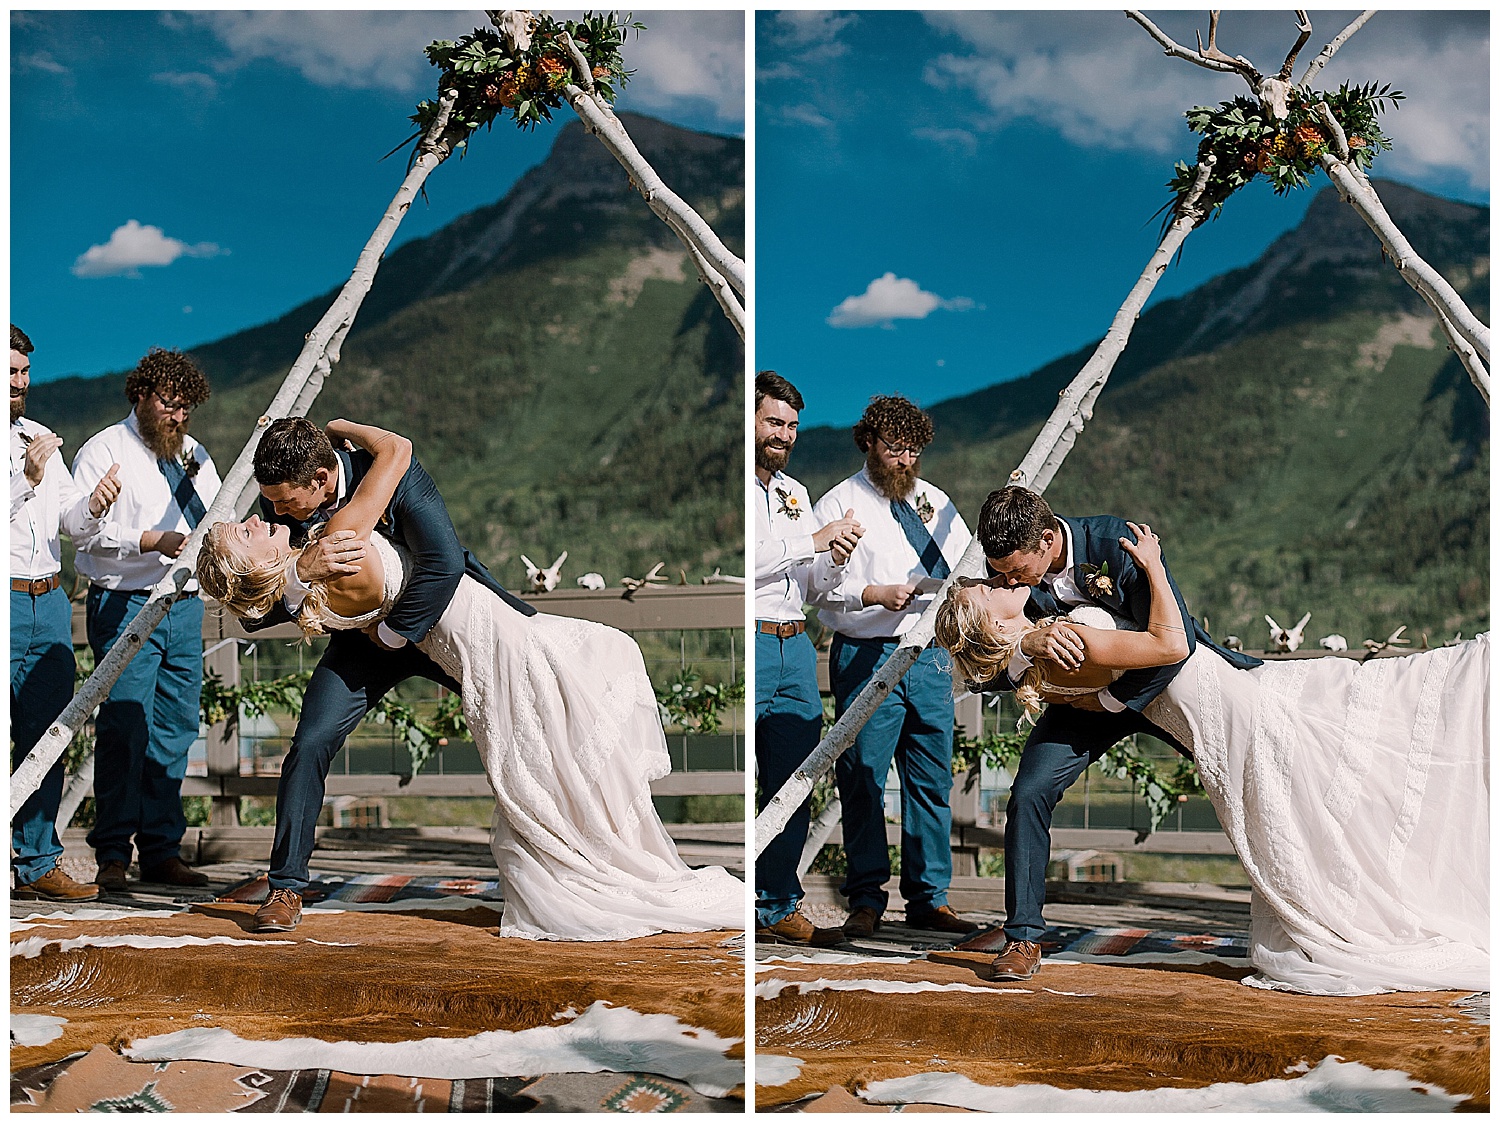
(444,126)
(1201,188)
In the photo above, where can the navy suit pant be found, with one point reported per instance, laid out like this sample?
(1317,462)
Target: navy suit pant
(353,675)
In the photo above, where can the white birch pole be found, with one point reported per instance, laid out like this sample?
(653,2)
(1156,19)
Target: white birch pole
(1470,337)
(316,357)
(1052,444)
(718,267)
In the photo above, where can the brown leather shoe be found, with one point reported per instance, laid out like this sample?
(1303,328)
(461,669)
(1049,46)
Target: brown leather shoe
(281,913)
(797,929)
(940,919)
(54,885)
(111,877)
(1017,961)
(863,923)
(174,871)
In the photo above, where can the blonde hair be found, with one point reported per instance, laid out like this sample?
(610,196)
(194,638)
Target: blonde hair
(981,648)
(250,590)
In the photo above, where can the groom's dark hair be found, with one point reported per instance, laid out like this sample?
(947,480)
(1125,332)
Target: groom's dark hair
(769,384)
(1012,519)
(291,451)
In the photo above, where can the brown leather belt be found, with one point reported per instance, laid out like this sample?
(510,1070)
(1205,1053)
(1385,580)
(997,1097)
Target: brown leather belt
(38,587)
(781,630)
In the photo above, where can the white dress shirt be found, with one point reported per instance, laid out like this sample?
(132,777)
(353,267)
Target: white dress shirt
(112,557)
(784,550)
(1066,590)
(883,557)
(37,513)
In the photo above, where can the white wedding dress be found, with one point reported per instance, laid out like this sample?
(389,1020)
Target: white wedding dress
(567,724)
(1357,797)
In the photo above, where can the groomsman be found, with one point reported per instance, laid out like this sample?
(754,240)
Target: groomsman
(150,719)
(788,709)
(43,500)
(914,536)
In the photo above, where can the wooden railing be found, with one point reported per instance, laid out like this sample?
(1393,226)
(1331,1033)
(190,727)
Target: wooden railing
(652,608)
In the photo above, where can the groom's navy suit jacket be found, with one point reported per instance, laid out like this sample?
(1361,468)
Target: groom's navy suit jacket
(417,518)
(1096,544)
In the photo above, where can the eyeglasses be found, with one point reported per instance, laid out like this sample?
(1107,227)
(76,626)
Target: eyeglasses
(174,407)
(899,450)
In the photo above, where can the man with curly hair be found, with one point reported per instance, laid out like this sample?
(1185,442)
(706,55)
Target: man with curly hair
(914,535)
(150,719)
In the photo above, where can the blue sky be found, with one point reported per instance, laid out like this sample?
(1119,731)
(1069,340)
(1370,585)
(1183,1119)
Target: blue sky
(176,177)
(946,200)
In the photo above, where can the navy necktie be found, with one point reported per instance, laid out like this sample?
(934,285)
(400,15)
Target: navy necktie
(183,491)
(921,540)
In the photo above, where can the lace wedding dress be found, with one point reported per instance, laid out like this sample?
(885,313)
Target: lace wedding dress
(1357,797)
(566,721)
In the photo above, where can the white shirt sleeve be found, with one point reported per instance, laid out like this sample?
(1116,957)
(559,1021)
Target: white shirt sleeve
(109,538)
(20,492)
(832,586)
(391,638)
(775,556)
(1110,702)
(73,502)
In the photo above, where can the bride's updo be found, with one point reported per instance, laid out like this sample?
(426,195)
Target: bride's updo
(981,648)
(249,589)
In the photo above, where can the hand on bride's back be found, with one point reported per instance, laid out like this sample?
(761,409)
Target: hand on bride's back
(1146,549)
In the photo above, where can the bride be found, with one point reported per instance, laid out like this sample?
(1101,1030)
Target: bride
(561,711)
(1356,793)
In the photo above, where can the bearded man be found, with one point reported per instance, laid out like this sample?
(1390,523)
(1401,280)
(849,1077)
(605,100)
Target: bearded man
(914,535)
(150,719)
(788,708)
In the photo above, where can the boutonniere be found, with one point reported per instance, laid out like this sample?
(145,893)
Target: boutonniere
(924,507)
(789,505)
(1096,580)
(189,464)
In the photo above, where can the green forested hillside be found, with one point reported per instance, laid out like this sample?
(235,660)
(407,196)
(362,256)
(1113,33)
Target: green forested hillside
(565,377)
(1296,430)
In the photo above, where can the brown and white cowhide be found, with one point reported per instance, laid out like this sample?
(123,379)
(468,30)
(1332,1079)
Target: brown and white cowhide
(409,993)
(870,1026)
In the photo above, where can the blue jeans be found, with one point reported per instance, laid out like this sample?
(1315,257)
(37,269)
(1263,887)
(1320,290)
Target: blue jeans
(788,723)
(914,725)
(145,728)
(41,685)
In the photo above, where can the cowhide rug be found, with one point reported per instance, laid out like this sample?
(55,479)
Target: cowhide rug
(399,994)
(1148,1036)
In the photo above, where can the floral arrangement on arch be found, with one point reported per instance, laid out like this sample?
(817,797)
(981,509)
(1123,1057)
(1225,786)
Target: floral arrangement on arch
(1246,141)
(526,70)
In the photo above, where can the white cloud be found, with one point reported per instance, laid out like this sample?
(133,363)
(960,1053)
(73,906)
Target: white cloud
(680,57)
(688,56)
(40,60)
(805,115)
(1101,81)
(132,246)
(381,50)
(889,298)
(191,80)
(961,139)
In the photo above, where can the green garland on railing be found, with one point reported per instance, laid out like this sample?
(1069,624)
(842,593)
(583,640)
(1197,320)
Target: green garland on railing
(685,701)
(222,703)
(1123,761)
(1246,142)
(693,705)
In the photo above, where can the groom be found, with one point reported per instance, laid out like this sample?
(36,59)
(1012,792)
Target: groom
(1067,562)
(303,481)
